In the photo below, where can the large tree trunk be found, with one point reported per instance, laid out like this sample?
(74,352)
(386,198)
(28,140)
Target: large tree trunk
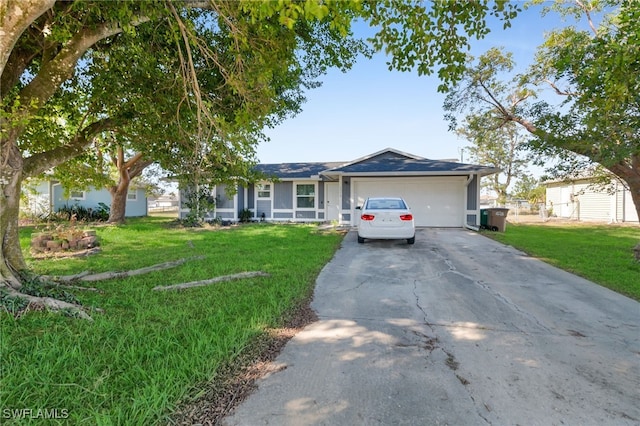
(634,186)
(127,170)
(11,259)
(118,202)
(630,173)
(15,17)
(13,168)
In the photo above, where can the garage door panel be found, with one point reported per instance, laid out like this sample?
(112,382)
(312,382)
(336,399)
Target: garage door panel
(434,201)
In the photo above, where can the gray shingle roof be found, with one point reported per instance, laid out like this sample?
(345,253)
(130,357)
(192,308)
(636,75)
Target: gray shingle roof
(395,165)
(295,170)
(388,161)
(392,161)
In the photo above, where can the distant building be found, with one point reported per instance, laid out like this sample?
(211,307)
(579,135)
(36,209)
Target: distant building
(166,202)
(487,201)
(582,200)
(48,196)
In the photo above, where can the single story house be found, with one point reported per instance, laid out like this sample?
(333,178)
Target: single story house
(48,196)
(440,193)
(582,200)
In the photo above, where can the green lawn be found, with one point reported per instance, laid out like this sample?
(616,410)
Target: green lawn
(600,253)
(150,350)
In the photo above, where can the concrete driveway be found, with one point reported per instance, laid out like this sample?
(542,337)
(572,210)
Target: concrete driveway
(455,330)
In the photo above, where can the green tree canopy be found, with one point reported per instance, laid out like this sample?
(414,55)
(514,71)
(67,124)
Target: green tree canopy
(174,75)
(497,147)
(596,75)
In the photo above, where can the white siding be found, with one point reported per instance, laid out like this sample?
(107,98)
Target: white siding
(626,208)
(553,195)
(582,201)
(593,205)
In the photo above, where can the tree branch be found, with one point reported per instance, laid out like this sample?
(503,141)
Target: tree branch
(529,126)
(212,281)
(557,89)
(517,100)
(15,18)
(50,303)
(137,168)
(588,13)
(43,161)
(120,157)
(495,102)
(55,72)
(113,274)
(133,160)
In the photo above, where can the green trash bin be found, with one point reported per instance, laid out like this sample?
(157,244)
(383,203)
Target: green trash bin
(484,219)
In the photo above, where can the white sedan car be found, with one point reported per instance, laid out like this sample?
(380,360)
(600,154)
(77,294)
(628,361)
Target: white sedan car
(386,218)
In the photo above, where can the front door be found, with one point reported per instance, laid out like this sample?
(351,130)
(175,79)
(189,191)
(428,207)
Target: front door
(332,194)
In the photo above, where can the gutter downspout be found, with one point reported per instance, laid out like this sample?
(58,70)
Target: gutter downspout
(477,211)
(472,227)
(624,204)
(340,195)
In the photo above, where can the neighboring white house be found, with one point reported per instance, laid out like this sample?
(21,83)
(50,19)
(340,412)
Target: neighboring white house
(488,201)
(582,200)
(440,193)
(165,200)
(163,204)
(48,196)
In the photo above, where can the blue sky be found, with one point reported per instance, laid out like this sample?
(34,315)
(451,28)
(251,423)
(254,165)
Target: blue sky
(369,108)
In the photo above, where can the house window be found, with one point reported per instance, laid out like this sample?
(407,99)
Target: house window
(76,195)
(132,194)
(264,190)
(305,196)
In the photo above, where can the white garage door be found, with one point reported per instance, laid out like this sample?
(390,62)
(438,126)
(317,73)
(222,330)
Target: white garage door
(436,201)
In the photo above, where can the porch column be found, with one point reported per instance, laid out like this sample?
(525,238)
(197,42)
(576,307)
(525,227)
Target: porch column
(472,206)
(340,200)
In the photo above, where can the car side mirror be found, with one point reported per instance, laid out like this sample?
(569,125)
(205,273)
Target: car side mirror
(359,208)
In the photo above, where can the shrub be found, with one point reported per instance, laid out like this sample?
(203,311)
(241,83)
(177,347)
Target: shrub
(81,213)
(246,215)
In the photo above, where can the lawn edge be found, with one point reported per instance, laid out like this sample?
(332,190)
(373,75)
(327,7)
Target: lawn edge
(237,379)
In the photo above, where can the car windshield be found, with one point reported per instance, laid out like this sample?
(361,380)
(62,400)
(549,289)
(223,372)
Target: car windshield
(383,204)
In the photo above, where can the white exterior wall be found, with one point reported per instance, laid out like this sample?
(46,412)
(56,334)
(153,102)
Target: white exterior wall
(38,199)
(624,206)
(553,195)
(592,205)
(581,201)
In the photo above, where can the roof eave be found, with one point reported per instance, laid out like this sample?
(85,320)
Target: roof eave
(483,172)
